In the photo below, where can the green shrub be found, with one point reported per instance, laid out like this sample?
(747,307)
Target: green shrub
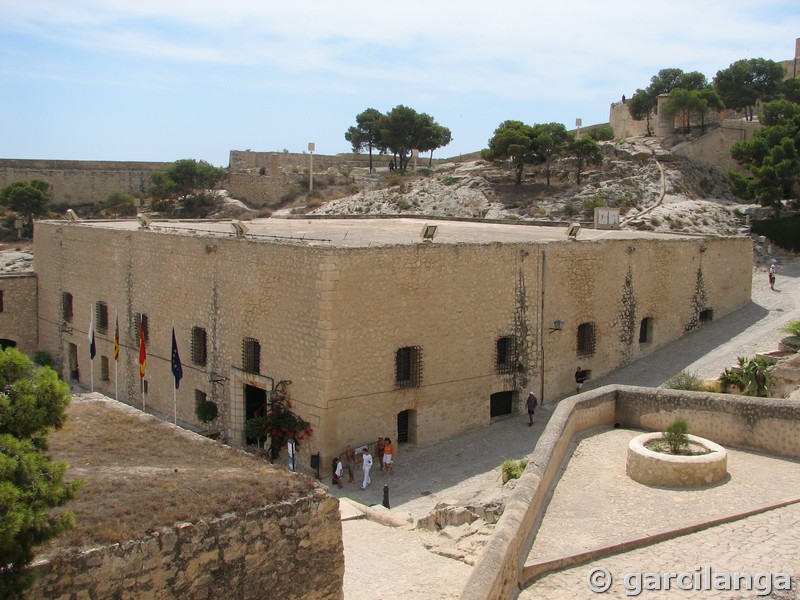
(600,134)
(655,221)
(677,436)
(589,204)
(792,328)
(43,359)
(512,469)
(450,180)
(784,233)
(570,209)
(206,411)
(685,381)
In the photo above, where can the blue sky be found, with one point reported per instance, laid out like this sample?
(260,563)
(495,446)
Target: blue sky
(161,81)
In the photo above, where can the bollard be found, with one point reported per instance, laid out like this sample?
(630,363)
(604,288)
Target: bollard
(386,496)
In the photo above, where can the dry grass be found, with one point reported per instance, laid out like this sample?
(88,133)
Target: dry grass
(140,474)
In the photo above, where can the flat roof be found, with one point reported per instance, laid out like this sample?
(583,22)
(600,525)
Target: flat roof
(367,232)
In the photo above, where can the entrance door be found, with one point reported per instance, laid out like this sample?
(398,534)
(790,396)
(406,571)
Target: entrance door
(254,401)
(72,358)
(4,343)
(407,427)
(500,403)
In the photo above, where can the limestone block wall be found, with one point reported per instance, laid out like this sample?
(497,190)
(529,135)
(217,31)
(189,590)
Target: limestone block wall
(288,550)
(78,182)
(232,288)
(331,320)
(714,148)
(615,285)
(18,319)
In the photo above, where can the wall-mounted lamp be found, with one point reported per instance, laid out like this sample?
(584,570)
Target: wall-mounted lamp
(558,325)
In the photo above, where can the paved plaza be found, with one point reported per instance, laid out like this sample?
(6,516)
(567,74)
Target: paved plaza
(595,504)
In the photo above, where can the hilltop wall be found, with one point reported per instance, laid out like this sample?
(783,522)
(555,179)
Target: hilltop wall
(78,182)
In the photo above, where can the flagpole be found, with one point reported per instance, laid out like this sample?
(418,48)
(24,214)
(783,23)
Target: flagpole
(116,354)
(91,344)
(174,386)
(144,399)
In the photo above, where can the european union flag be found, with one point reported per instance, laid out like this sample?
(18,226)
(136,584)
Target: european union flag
(177,369)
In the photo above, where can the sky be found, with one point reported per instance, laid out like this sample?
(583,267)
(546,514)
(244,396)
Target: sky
(140,80)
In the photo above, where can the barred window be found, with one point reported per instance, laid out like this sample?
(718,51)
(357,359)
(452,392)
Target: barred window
(199,346)
(141,319)
(66,306)
(586,337)
(101,316)
(251,355)
(408,365)
(506,357)
(104,374)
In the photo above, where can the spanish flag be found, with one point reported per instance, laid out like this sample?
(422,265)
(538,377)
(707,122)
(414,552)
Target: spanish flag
(116,337)
(142,352)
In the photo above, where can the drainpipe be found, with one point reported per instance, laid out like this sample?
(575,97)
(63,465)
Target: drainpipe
(541,331)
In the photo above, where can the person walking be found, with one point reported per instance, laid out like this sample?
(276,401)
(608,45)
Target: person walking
(366,465)
(379,451)
(580,377)
(530,405)
(350,462)
(388,456)
(773,270)
(337,472)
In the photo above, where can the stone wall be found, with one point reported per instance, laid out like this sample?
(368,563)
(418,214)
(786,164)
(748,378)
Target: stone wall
(331,319)
(760,424)
(714,148)
(79,182)
(290,550)
(18,317)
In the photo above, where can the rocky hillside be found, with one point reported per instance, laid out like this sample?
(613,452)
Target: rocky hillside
(654,189)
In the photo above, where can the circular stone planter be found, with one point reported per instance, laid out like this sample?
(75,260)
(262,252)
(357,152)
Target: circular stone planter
(657,468)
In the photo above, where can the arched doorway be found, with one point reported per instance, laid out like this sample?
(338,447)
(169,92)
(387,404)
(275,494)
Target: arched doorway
(501,403)
(4,343)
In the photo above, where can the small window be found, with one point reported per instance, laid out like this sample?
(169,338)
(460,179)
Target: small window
(586,339)
(101,316)
(251,355)
(199,397)
(506,358)
(706,316)
(66,307)
(646,331)
(104,374)
(141,319)
(408,367)
(199,346)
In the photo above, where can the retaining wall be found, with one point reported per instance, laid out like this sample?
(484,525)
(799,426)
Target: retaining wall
(767,425)
(288,550)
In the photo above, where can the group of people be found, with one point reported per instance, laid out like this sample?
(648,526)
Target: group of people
(384,450)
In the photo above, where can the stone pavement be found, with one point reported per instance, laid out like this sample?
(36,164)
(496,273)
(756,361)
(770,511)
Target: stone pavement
(385,563)
(619,509)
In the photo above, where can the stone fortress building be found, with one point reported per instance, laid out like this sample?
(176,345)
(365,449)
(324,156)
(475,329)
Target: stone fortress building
(372,329)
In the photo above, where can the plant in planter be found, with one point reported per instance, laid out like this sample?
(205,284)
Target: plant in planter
(206,411)
(793,341)
(677,436)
